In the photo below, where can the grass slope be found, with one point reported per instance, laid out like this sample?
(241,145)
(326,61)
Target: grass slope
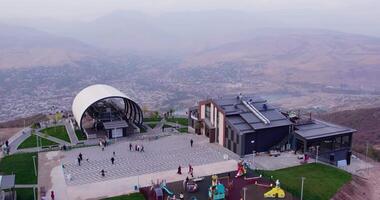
(21,165)
(152,125)
(134,196)
(25,194)
(58,132)
(31,142)
(80,135)
(179,120)
(321,182)
(152,119)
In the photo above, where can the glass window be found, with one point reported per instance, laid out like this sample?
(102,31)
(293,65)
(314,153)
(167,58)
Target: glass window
(207,111)
(346,141)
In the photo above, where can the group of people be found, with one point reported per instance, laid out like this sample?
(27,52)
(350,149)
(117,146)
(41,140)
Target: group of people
(138,148)
(190,172)
(103,143)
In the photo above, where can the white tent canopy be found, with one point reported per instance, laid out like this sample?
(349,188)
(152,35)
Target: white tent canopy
(94,93)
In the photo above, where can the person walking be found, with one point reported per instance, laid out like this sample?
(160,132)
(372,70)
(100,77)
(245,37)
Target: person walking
(52,195)
(79,160)
(103,173)
(113,160)
(179,170)
(80,156)
(113,153)
(191,142)
(142,148)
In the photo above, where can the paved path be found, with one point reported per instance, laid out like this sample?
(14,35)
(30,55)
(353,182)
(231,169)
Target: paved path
(71,132)
(13,145)
(54,139)
(25,185)
(163,154)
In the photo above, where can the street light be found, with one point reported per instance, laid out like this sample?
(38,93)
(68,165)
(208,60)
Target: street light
(303,179)
(316,157)
(34,164)
(253,154)
(245,191)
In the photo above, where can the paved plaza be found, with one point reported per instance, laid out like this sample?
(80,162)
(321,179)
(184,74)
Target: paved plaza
(163,154)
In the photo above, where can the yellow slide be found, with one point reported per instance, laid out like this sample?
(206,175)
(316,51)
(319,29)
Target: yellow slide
(275,192)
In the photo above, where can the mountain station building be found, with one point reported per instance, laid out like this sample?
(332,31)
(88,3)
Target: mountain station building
(103,111)
(248,124)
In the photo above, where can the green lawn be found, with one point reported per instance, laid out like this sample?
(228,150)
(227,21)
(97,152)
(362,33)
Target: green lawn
(31,142)
(152,125)
(179,120)
(21,165)
(134,196)
(321,182)
(80,135)
(183,130)
(25,194)
(58,132)
(152,119)
(167,126)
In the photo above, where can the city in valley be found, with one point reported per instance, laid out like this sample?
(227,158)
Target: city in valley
(189,100)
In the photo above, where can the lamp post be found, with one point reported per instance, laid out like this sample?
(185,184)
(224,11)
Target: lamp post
(302,179)
(366,158)
(316,157)
(34,164)
(244,192)
(253,153)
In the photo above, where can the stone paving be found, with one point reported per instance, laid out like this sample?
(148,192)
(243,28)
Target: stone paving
(166,153)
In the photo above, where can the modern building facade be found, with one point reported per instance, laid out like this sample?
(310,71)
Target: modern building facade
(329,142)
(247,124)
(242,124)
(103,111)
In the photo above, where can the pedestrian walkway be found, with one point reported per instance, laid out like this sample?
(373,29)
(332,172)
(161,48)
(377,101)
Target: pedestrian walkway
(71,132)
(17,141)
(26,186)
(164,154)
(54,139)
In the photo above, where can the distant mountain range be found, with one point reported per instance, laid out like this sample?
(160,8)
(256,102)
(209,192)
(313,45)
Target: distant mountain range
(174,59)
(28,47)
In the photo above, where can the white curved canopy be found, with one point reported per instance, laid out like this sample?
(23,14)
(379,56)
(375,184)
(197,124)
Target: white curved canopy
(91,94)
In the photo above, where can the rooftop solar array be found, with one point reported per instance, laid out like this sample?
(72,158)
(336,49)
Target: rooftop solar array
(244,120)
(319,129)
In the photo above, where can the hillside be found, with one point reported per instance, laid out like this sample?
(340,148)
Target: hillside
(366,122)
(28,47)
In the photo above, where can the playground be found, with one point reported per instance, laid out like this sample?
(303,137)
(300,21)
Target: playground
(227,185)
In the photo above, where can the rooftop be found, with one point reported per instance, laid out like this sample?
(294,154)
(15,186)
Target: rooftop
(250,113)
(318,129)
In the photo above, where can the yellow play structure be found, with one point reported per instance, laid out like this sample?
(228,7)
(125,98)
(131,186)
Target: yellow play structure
(275,192)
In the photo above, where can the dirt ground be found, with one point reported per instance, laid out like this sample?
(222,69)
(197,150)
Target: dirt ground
(365,186)
(6,133)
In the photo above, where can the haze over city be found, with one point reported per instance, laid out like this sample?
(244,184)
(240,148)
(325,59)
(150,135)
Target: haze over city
(224,72)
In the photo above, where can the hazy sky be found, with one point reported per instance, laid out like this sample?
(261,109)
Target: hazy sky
(90,9)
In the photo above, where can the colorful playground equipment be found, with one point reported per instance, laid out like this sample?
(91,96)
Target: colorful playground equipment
(216,190)
(158,189)
(190,185)
(165,188)
(275,192)
(242,169)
